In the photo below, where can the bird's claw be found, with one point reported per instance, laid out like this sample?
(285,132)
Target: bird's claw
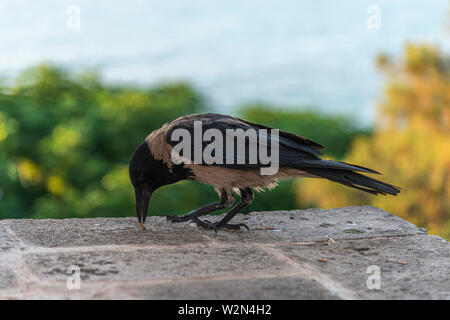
(205,224)
(218,225)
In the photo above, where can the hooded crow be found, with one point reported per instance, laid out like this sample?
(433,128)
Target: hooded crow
(231,154)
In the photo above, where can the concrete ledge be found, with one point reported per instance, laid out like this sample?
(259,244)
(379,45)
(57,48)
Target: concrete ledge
(299,254)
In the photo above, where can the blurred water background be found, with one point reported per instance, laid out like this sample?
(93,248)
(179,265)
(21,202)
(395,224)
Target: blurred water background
(294,53)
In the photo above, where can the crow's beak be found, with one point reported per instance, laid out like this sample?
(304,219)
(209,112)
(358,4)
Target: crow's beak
(142,199)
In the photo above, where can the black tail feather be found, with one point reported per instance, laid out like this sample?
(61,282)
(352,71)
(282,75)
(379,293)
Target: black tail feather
(331,164)
(354,180)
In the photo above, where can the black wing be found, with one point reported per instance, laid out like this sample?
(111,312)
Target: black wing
(294,151)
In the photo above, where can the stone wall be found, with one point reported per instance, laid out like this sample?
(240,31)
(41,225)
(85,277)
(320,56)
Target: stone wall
(344,253)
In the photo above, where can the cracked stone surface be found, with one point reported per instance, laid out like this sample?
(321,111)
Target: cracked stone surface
(298,254)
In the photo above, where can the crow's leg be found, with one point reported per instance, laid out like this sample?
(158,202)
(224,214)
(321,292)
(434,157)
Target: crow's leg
(247,197)
(226,201)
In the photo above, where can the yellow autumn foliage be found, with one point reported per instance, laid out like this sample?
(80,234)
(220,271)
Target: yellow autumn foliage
(410,145)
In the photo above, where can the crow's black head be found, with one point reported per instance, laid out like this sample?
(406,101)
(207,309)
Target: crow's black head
(148,174)
(143,167)
(145,175)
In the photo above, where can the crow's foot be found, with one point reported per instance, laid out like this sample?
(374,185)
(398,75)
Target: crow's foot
(219,225)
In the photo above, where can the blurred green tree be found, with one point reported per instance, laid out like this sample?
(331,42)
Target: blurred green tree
(66,139)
